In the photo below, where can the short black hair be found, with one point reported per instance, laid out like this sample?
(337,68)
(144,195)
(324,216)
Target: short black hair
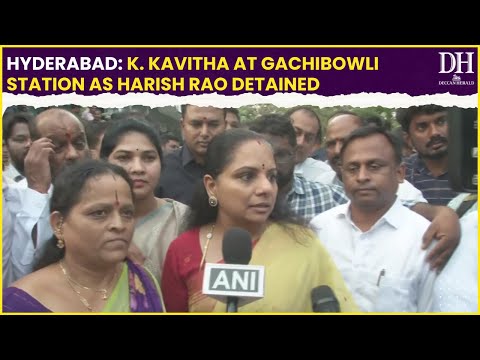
(276,125)
(13,118)
(405,116)
(166,137)
(93,130)
(367,131)
(233,111)
(185,106)
(311,112)
(375,120)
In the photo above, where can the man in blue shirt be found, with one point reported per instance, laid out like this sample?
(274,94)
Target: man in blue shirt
(304,198)
(427,170)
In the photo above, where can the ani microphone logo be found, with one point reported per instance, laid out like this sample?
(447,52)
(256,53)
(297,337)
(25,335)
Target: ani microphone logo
(458,63)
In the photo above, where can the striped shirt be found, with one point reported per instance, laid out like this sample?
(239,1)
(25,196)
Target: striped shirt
(436,189)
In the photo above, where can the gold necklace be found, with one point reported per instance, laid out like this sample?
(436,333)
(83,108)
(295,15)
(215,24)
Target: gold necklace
(71,282)
(207,243)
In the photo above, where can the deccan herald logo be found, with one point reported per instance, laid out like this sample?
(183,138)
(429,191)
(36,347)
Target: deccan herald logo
(457,62)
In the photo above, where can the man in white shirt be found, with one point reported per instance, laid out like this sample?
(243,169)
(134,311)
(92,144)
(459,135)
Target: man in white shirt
(308,129)
(445,226)
(456,289)
(58,140)
(340,125)
(6,238)
(373,239)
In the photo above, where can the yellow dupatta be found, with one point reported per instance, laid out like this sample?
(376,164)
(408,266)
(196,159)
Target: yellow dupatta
(293,267)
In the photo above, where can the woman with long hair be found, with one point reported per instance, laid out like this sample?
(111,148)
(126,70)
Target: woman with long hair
(240,190)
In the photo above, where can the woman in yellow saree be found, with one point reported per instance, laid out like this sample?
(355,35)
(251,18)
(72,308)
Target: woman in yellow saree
(240,190)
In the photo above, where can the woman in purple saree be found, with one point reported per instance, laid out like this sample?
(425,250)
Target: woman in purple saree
(135,291)
(85,267)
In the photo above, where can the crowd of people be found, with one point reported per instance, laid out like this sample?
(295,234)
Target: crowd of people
(111,216)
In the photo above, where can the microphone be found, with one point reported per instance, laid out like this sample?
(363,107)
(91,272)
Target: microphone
(324,300)
(234,282)
(236,249)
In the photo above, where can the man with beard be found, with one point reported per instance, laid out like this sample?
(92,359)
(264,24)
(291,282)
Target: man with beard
(445,226)
(58,140)
(427,129)
(305,198)
(16,134)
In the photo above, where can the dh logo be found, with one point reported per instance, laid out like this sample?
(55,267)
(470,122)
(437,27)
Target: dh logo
(456,60)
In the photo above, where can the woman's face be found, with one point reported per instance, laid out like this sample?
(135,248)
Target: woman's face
(100,226)
(247,188)
(139,157)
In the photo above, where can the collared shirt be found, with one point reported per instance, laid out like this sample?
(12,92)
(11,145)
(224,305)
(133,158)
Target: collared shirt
(436,189)
(408,194)
(320,154)
(307,198)
(315,170)
(384,267)
(456,289)
(180,175)
(29,208)
(12,173)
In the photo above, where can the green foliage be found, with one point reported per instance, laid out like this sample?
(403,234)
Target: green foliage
(249,113)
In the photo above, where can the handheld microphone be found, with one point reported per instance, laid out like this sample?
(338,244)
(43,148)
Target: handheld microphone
(234,281)
(324,300)
(236,249)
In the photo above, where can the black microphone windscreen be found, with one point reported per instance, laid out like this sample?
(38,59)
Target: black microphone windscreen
(324,300)
(237,246)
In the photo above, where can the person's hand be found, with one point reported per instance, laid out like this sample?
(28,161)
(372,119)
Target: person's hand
(135,254)
(445,227)
(37,165)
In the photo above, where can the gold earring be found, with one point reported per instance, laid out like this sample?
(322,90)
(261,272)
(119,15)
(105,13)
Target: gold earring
(59,235)
(212,201)
(60,242)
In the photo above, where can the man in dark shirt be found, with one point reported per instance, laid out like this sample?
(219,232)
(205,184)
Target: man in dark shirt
(427,170)
(183,169)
